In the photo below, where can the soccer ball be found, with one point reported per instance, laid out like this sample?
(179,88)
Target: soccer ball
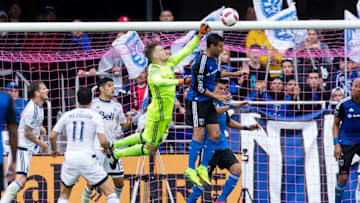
(229,16)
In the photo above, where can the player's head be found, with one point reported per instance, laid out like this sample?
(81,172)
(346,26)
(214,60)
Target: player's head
(166,15)
(84,96)
(221,86)
(355,88)
(106,87)
(214,44)
(38,90)
(154,52)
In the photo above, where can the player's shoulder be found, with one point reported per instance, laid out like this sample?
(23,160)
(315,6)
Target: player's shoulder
(346,100)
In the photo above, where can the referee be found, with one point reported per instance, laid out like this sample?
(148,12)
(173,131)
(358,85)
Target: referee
(346,135)
(8,115)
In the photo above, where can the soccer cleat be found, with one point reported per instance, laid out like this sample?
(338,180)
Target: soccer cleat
(111,147)
(192,176)
(202,172)
(112,160)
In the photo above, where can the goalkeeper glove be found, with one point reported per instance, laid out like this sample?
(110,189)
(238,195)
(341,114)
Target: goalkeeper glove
(186,80)
(204,29)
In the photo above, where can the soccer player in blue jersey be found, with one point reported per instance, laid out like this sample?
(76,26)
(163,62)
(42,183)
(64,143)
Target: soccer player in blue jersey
(8,115)
(346,135)
(200,110)
(223,156)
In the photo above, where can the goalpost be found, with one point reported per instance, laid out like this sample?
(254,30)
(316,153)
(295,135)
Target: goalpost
(289,159)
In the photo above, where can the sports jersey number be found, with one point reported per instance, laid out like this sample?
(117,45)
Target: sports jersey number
(82,123)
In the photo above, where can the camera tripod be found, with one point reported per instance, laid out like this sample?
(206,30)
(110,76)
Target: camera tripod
(244,189)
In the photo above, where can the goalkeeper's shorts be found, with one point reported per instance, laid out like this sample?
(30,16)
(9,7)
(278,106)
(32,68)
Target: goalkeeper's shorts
(154,131)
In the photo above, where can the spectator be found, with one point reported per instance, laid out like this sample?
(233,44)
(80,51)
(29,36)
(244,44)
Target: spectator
(337,94)
(287,69)
(138,90)
(50,14)
(292,90)
(339,77)
(166,15)
(313,44)
(259,37)
(15,13)
(167,51)
(256,71)
(78,40)
(313,91)
(225,63)
(3,17)
(275,92)
(13,89)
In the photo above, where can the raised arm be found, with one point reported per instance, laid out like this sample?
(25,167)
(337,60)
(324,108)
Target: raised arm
(156,79)
(190,47)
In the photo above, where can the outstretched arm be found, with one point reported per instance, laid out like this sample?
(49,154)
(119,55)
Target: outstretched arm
(189,48)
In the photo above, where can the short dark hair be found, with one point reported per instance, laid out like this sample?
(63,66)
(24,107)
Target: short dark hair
(150,49)
(312,71)
(255,46)
(34,86)
(84,95)
(213,39)
(104,80)
(222,81)
(286,60)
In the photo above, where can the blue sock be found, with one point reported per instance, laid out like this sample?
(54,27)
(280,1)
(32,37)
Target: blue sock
(195,194)
(194,150)
(339,189)
(209,149)
(229,186)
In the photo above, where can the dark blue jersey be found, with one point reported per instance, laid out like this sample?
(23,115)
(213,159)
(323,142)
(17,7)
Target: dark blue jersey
(19,107)
(223,119)
(7,114)
(203,75)
(349,113)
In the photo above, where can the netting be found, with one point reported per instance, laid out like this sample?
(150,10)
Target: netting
(289,160)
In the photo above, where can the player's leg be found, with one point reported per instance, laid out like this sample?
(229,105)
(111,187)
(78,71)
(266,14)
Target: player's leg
(195,116)
(108,190)
(65,193)
(348,152)
(230,162)
(357,193)
(129,140)
(118,185)
(213,131)
(23,157)
(116,174)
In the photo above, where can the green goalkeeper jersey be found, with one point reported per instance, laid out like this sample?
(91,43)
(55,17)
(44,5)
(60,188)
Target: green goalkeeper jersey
(162,84)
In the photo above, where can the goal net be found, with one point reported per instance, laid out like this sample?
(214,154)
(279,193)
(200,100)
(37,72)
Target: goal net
(291,93)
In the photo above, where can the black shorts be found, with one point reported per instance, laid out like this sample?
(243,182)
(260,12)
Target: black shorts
(223,159)
(348,153)
(199,114)
(1,177)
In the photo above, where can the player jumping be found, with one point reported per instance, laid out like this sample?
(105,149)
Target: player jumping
(223,156)
(82,127)
(200,110)
(346,137)
(162,82)
(28,131)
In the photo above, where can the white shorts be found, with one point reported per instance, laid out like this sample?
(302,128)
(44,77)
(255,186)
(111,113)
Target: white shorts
(104,162)
(23,160)
(83,164)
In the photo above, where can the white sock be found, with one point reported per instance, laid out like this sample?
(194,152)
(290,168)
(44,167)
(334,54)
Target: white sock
(112,198)
(11,191)
(86,195)
(118,191)
(357,195)
(62,200)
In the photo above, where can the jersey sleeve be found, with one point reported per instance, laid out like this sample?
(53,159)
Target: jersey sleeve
(199,71)
(59,126)
(11,114)
(120,116)
(339,110)
(155,77)
(99,124)
(188,49)
(30,116)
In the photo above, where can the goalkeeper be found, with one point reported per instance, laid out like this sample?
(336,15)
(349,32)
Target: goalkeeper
(162,82)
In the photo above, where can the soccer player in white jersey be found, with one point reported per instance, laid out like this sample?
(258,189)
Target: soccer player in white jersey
(114,120)
(82,127)
(28,132)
